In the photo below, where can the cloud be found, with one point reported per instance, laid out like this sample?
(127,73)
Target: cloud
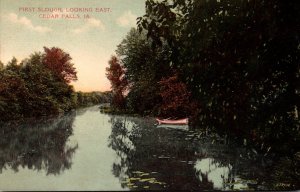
(128,19)
(27,23)
(90,24)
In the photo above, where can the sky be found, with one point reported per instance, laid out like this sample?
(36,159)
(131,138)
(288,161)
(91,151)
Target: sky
(89,30)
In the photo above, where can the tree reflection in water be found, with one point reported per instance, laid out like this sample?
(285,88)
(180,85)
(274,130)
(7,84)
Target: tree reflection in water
(120,141)
(37,145)
(158,158)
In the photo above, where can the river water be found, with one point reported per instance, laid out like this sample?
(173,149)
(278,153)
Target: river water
(88,150)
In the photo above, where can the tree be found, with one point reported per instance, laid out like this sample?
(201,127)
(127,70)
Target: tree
(13,66)
(144,68)
(59,62)
(30,88)
(175,97)
(240,59)
(12,91)
(140,60)
(1,66)
(46,92)
(115,73)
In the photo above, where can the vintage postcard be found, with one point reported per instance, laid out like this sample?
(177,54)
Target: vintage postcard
(118,95)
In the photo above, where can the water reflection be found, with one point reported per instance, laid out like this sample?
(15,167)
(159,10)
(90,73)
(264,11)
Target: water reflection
(150,157)
(221,177)
(37,145)
(118,152)
(120,141)
(211,171)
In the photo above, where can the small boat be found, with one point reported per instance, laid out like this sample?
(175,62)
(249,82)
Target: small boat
(184,121)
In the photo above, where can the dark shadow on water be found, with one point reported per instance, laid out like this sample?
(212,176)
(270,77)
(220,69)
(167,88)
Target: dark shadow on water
(37,145)
(157,158)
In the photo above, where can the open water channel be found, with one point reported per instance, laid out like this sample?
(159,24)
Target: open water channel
(88,150)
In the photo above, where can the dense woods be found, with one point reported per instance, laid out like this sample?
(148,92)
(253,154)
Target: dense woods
(40,85)
(232,66)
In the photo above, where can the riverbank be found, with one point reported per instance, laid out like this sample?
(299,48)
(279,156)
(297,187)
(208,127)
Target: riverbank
(120,152)
(255,144)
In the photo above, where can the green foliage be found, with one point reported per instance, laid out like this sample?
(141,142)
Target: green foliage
(30,88)
(140,60)
(91,98)
(143,98)
(144,66)
(240,59)
(34,88)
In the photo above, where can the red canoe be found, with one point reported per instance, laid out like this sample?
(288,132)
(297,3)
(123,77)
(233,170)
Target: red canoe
(184,121)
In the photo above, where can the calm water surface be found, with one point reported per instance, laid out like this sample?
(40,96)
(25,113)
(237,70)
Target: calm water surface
(87,150)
